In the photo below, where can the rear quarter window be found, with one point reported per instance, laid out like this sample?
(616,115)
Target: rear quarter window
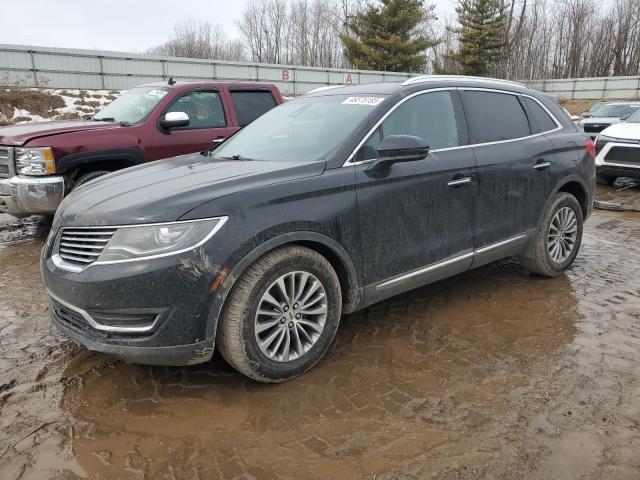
(540,117)
(493,117)
(251,104)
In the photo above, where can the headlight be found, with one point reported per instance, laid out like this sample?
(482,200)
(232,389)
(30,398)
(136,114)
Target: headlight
(35,161)
(601,141)
(159,240)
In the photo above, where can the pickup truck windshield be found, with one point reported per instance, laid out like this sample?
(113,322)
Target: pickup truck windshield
(303,130)
(132,106)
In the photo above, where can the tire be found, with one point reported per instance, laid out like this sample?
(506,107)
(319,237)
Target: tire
(602,180)
(539,258)
(237,335)
(87,177)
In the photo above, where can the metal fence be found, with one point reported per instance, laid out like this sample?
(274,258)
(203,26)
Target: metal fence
(598,88)
(91,69)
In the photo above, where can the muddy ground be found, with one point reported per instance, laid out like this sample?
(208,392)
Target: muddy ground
(492,374)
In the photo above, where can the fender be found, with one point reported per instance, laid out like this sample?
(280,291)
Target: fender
(123,157)
(564,181)
(350,304)
(588,192)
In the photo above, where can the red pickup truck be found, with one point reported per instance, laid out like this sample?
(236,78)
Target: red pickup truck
(41,162)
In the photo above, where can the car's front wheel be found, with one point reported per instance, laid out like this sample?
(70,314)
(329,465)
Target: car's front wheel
(281,315)
(557,239)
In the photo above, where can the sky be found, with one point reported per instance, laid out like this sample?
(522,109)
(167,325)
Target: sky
(121,25)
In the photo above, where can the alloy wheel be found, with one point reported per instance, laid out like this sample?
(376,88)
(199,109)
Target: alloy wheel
(563,232)
(291,316)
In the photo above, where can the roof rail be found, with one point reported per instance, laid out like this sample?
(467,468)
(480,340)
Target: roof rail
(435,78)
(320,89)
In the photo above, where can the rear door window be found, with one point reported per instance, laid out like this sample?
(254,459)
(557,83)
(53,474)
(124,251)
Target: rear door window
(541,118)
(251,104)
(493,117)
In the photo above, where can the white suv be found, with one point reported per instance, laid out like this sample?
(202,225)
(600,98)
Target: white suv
(618,150)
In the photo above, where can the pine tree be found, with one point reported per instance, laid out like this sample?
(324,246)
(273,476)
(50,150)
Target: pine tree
(389,36)
(481,35)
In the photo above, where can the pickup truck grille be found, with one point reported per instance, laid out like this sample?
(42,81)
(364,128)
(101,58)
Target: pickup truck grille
(624,155)
(6,162)
(82,246)
(595,127)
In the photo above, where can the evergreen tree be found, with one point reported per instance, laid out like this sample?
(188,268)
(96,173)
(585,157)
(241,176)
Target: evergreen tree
(481,35)
(389,36)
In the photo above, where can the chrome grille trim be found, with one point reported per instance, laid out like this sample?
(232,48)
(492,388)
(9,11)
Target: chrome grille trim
(7,163)
(76,247)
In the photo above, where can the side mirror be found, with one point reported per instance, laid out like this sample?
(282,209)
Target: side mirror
(586,114)
(399,148)
(174,120)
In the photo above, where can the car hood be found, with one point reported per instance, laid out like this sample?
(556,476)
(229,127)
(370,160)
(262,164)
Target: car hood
(624,130)
(601,120)
(17,135)
(165,190)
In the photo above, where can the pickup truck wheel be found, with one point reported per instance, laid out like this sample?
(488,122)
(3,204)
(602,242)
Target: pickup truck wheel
(281,316)
(557,238)
(87,177)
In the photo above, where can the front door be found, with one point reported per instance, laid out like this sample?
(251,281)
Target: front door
(417,216)
(208,126)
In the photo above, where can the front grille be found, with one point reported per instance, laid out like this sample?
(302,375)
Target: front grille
(595,127)
(6,162)
(82,246)
(624,155)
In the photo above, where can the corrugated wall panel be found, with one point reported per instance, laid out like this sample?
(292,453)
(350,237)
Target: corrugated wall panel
(69,68)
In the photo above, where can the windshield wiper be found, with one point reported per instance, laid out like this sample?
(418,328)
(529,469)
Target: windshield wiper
(235,157)
(105,119)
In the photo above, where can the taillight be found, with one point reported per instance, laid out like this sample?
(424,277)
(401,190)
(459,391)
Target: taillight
(590,147)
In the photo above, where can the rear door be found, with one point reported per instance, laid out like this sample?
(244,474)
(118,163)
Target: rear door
(513,166)
(209,125)
(417,213)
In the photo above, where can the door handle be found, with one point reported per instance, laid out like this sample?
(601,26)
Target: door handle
(459,182)
(541,165)
(218,140)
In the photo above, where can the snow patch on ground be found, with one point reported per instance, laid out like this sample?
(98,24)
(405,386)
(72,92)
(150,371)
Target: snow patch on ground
(79,104)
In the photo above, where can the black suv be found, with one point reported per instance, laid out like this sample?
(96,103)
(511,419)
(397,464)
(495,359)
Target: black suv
(323,206)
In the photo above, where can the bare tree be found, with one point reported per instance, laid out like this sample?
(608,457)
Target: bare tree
(198,39)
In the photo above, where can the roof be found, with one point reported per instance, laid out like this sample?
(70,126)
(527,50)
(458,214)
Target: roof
(418,83)
(183,84)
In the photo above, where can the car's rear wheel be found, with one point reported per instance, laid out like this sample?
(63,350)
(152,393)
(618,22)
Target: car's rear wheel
(281,315)
(557,239)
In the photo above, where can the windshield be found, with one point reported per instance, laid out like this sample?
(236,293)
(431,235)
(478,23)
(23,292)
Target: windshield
(132,106)
(616,110)
(303,130)
(635,118)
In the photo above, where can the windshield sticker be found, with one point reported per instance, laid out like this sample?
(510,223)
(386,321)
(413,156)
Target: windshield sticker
(158,93)
(371,101)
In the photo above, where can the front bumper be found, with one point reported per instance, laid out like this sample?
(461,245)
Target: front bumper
(157,312)
(174,355)
(619,158)
(23,195)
